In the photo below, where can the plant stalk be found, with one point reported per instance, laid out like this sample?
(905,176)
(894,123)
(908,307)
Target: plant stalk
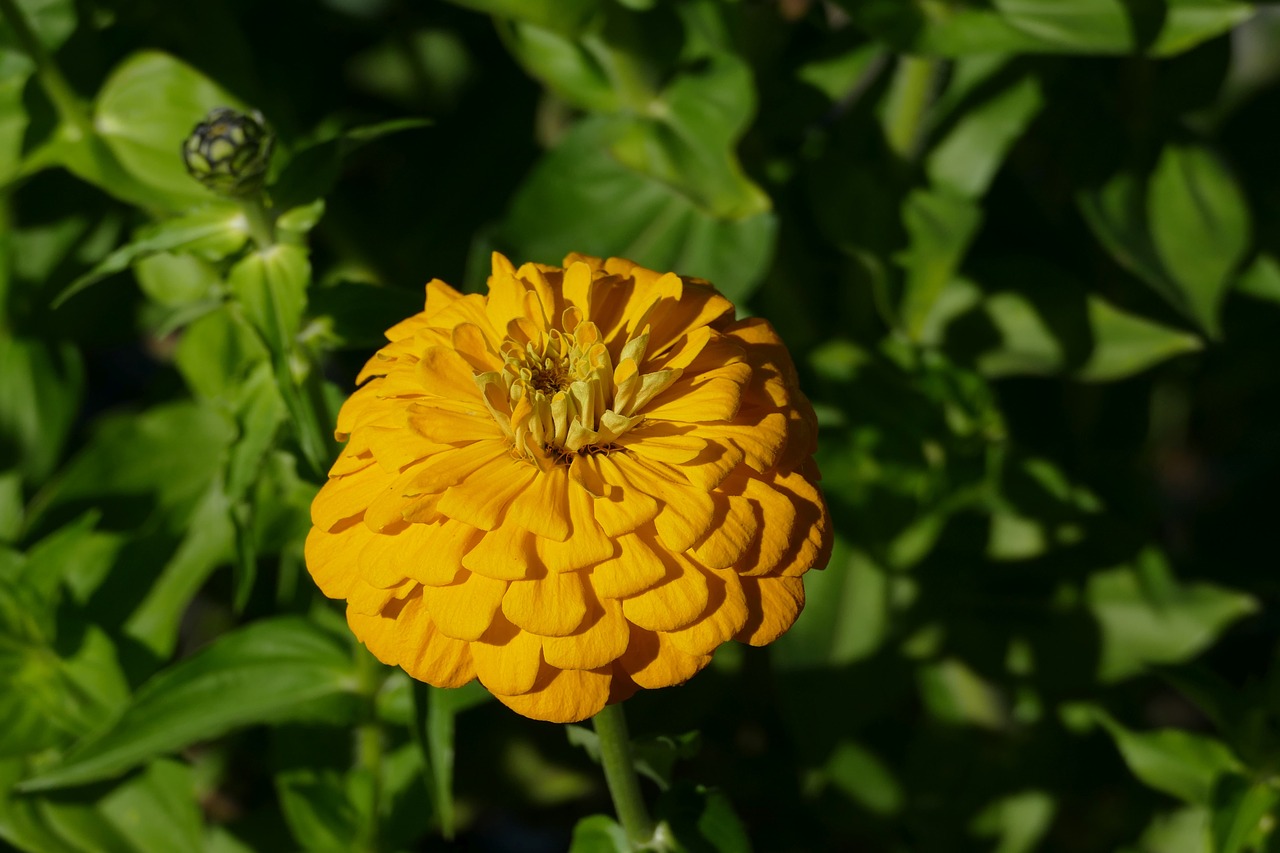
(370,746)
(262,227)
(620,775)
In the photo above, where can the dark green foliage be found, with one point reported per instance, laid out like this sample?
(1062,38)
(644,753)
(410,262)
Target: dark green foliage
(1026,254)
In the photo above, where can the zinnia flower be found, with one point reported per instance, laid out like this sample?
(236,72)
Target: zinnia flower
(577,485)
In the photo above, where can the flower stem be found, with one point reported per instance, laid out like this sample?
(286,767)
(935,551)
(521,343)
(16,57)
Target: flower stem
(261,227)
(369,747)
(69,106)
(620,774)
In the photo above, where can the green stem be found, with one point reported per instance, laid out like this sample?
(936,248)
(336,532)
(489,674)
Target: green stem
(620,774)
(262,227)
(370,746)
(69,106)
(909,97)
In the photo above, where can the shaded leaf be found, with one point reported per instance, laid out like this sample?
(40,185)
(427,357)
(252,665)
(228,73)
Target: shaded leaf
(273,670)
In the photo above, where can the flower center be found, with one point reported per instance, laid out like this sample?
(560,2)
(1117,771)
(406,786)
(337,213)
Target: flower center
(564,393)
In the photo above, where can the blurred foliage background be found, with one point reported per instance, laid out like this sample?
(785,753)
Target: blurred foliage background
(1026,254)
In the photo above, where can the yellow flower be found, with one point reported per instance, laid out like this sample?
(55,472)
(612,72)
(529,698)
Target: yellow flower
(580,484)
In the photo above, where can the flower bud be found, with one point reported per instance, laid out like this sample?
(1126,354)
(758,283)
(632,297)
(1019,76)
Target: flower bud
(229,151)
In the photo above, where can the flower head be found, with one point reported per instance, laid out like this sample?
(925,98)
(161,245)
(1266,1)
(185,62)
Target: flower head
(577,485)
(229,152)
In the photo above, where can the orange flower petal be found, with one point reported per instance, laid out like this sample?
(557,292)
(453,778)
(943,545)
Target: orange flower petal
(465,608)
(481,498)
(331,558)
(601,638)
(636,567)
(653,661)
(773,604)
(502,554)
(507,659)
(562,696)
(585,546)
(344,497)
(672,604)
(426,653)
(551,606)
(725,616)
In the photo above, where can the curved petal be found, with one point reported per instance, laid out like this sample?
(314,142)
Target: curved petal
(562,696)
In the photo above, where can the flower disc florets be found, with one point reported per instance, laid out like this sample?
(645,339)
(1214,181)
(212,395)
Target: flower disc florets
(579,484)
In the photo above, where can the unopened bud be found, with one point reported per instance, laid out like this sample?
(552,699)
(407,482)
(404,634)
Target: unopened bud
(229,151)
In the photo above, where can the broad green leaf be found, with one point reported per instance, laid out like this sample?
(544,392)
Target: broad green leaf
(40,388)
(567,16)
(144,111)
(1183,831)
(15,69)
(168,454)
(158,811)
(435,714)
(52,21)
(1019,820)
(1113,27)
(208,544)
(12,510)
(654,757)
(702,820)
(599,834)
(1125,344)
(579,198)
(50,699)
(171,279)
(1262,279)
(954,693)
(271,286)
(847,611)
(966,160)
(317,805)
(1147,617)
(1200,227)
(1243,814)
(216,353)
(940,226)
(313,170)
(865,778)
(1183,764)
(298,221)
(690,145)
(272,670)
(567,66)
(214,232)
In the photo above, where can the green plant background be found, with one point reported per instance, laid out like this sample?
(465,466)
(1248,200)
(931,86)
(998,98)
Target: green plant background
(1026,254)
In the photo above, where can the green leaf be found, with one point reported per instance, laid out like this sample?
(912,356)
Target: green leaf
(579,198)
(15,70)
(1147,617)
(313,170)
(40,388)
(53,22)
(50,698)
(1262,279)
(862,776)
(567,16)
(569,67)
(317,805)
(966,160)
(847,611)
(1125,344)
(216,353)
(435,711)
(1019,820)
(1048,26)
(1200,227)
(170,279)
(271,286)
(273,670)
(599,834)
(148,106)
(701,820)
(214,232)
(158,811)
(1243,814)
(940,226)
(1180,763)
(690,146)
